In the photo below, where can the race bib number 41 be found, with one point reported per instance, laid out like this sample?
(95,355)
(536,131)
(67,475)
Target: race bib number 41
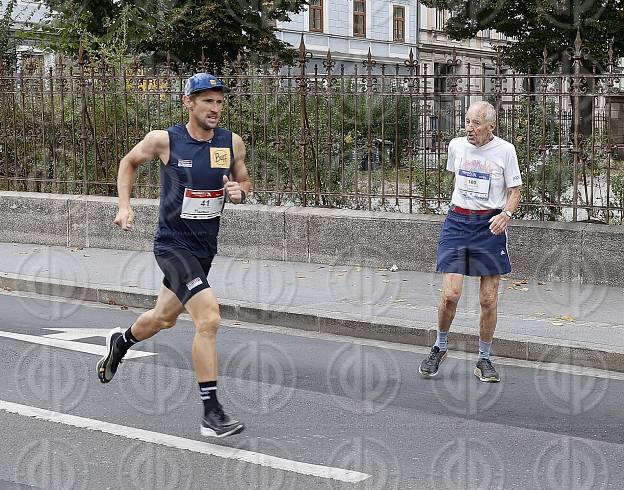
(202,204)
(473,184)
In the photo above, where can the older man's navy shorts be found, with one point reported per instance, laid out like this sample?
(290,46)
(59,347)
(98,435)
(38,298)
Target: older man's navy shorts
(468,247)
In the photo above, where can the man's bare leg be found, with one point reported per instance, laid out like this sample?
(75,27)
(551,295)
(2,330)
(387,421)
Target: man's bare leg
(164,315)
(204,310)
(488,299)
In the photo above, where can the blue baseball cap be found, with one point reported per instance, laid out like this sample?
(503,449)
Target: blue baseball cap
(203,81)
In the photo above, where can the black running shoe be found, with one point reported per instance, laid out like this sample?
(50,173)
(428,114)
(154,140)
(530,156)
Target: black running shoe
(429,367)
(486,372)
(217,424)
(107,366)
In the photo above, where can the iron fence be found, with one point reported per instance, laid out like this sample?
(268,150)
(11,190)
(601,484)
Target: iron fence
(367,136)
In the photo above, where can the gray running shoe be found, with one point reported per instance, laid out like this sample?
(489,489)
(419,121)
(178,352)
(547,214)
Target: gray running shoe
(429,367)
(486,372)
(107,366)
(217,424)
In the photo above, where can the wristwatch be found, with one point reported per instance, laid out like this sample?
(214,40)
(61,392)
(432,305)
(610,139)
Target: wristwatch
(508,213)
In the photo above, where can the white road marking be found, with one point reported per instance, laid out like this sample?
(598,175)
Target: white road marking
(77,333)
(99,350)
(134,433)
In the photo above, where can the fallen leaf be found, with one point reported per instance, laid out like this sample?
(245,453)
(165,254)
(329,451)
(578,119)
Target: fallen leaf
(112,302)
(6,288)
(301,276)
(339,274)
(540,283)
(124,307)
(236,322)
(567,318)
(358,269)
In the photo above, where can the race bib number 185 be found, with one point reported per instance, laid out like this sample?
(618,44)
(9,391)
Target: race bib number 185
(473,184)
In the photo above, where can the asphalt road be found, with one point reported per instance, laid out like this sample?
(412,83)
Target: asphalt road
(321,412)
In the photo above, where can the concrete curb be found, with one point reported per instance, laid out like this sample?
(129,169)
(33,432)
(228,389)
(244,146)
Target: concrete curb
(528,348)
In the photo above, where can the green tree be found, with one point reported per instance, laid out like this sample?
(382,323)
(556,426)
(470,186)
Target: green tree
(7,40)
(189,29)
(539,24)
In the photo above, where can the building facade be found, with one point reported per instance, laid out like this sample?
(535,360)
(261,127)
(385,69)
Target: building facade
(388,28)
(30,59)
(391,30)
(350,28)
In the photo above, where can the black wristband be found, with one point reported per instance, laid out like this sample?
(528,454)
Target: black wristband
(243,196)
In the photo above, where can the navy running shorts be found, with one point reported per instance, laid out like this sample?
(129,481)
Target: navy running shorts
(468,247)
(185,274)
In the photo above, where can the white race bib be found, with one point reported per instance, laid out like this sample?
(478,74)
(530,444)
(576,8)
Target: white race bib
(473,184)
(202,204)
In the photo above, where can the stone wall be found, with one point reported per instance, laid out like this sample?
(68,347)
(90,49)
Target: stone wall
(571,252)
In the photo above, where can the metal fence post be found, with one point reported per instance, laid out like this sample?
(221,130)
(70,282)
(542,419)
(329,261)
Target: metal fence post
(303,128)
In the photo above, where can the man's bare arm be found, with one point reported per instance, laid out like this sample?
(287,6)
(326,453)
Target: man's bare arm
(513,199)
(155,144)
(239,178)
(498,223)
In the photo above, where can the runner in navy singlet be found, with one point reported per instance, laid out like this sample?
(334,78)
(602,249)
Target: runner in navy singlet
(202,165)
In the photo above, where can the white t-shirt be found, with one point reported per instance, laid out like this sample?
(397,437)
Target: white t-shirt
(482,173)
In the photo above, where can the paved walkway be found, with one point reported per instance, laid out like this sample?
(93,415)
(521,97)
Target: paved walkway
(585,316)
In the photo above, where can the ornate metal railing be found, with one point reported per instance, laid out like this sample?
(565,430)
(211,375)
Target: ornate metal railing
(362,135)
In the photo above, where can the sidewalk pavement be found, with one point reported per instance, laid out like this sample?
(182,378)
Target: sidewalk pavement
(565,323)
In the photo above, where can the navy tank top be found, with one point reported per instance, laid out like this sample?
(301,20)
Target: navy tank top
(191,192)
